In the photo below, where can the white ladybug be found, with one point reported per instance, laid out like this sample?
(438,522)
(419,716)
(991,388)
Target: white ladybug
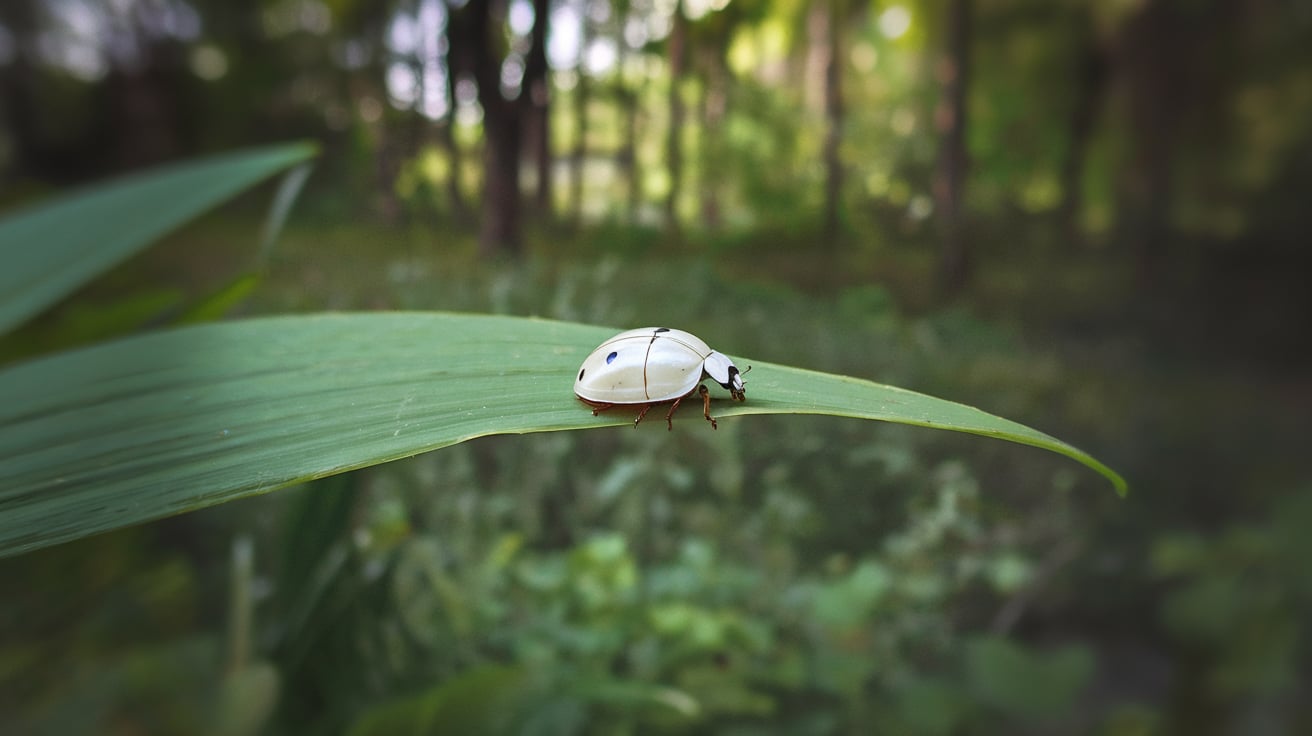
(653,365)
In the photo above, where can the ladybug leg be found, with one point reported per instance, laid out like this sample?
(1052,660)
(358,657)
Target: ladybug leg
(668,421)
(706,406)
(599,408)
(645,408)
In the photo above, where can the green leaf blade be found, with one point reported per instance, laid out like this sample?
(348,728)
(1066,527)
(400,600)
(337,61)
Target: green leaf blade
(156,425)
(52,249)
(812,392)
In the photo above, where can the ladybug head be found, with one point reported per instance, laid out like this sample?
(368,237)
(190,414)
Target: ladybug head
(722,370)
(737,388)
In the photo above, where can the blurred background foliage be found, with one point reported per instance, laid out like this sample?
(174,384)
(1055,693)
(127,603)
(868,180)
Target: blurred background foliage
(1087,216)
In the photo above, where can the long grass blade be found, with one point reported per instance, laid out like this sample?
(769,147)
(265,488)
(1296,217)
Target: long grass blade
(146,427)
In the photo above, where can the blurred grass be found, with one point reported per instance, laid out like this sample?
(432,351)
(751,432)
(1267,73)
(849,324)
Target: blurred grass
(53,248)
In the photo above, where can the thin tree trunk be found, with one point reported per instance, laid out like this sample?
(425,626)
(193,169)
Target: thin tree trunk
(833,122)
(674,139)
(627,157)
(20,82)
(536,94)
(413,133)
(1149,61)
(373,80)
(143,103)
(1092,84)
(499,232)
(582,93)
(457,67)
(634,174)
(711,174)
(447,137)
(950,118)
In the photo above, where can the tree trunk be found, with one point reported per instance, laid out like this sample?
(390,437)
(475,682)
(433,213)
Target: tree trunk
(674,139)
(833,121)
(371,23)
(1091,78)
(144,115)
(500,231)
(582,94)
(457,67)
(1149,61)
(447,137)
(950,119)
(627,157)
(30,155)
(714,106)
(632,172)
(387,167)
(536,95)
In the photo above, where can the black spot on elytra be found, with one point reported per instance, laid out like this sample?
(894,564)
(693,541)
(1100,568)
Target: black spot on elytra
(585,370)
(662,329)
(610,357)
